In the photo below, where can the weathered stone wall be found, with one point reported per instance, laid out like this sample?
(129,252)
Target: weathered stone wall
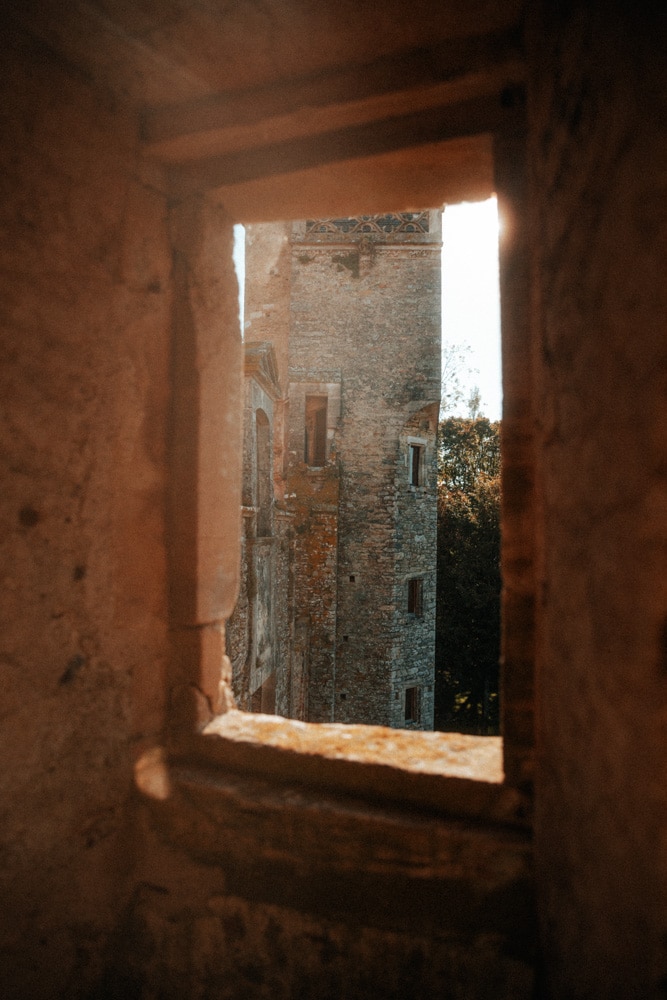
(252,633)
(85,330)
(238,632)
(287,683)
(207,941)
(598,154)
(366,314)
(415,542)
(313,497)
(305,890)
(267,317)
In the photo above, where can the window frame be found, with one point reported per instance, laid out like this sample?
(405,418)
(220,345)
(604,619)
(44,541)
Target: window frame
(416,461)
(415,464)
(202,578)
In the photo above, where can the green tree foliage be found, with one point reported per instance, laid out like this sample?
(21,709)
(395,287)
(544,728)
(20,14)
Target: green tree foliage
(468,601)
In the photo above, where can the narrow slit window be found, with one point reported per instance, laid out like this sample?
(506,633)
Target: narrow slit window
(315,445)
(415,465)
(416,597)
(412,704)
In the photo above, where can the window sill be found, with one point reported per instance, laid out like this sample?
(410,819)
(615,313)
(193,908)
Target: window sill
(358,823)
(442,774)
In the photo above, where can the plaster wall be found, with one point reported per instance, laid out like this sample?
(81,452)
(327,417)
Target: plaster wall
(598,153)
(85,330)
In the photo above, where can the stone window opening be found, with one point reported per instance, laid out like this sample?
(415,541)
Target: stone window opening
(416,597)
(416,463)
(506,175)
(312,442)
(412,705)
(315,439)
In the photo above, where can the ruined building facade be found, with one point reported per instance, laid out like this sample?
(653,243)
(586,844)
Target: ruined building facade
(336,616)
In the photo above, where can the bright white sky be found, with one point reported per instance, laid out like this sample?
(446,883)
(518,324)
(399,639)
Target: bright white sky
(239,267)
(470,297)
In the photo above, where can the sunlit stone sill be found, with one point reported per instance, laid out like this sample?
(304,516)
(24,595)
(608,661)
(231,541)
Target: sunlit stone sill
(442,774)
(477,758)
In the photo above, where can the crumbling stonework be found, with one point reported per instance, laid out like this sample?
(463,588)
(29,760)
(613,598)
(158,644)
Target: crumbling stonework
(362,352)
(260,631)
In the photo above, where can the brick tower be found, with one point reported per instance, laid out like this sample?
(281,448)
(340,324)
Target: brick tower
(357,476)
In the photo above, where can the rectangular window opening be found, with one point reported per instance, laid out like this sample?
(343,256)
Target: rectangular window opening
(415,465)
(412,704)
(319,410)
(315,445)
(416,597)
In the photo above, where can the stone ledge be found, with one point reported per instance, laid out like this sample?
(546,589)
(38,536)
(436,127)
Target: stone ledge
(442,774)
(456,755)
(314,818)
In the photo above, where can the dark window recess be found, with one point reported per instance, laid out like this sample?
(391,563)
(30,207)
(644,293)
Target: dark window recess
(315,450)
(352,579)
(416,465)
(412,704)
(416,597)
(264,698)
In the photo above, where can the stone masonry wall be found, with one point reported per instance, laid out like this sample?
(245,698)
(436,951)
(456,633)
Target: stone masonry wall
(313,496)
(287,682)
(416,537)
(366,314)
(260,631)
